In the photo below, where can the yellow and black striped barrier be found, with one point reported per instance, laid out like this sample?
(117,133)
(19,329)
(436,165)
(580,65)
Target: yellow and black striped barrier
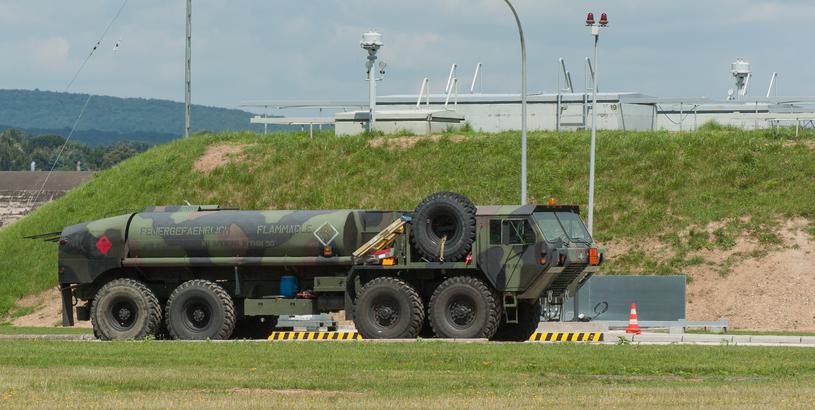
(567,337)
(281,336)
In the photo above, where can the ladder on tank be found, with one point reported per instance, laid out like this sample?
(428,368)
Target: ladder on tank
(384,238)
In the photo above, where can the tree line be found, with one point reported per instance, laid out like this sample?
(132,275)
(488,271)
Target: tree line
(18,149)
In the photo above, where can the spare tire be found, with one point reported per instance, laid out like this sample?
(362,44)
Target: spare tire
(444,215)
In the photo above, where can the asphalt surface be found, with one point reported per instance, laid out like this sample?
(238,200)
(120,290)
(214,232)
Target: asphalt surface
(610,337)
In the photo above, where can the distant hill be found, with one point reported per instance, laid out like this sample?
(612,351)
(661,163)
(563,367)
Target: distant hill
(109,120)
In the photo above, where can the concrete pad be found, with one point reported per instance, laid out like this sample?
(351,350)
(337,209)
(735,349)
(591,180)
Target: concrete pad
(613,337)
(48,337)
(808,340)
(706,339)
(740,339)
(657,338)
(776,339)
(572,327)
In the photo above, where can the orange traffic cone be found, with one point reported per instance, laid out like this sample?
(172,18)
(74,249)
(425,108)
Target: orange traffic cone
(633,325)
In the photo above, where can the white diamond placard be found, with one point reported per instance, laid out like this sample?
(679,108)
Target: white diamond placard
(326,233)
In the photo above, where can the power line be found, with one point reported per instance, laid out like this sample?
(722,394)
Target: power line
(36,196)
(95,46)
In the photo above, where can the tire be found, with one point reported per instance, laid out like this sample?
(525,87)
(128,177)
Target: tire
(254,327)
(439,215)
(125,309)
(199,310)
(528,319)
(464,307)
(388,308)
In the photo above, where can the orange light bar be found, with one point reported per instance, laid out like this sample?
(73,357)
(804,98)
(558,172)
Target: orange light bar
(388,261)
(552,201)
(594,256)
(327,251)
(543,260)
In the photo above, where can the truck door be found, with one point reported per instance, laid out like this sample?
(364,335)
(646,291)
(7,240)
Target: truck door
(506,253)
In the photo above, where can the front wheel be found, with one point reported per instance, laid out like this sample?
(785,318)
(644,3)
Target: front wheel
(464,307)
(200,310)
(125,309)
(388,308)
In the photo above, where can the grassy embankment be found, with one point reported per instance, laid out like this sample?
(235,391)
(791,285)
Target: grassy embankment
(650,187)
(400,375)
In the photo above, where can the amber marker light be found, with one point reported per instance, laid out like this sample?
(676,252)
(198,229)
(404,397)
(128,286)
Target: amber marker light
(594,256)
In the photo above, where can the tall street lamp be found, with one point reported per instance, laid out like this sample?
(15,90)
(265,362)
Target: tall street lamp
(523,103)
(595,32)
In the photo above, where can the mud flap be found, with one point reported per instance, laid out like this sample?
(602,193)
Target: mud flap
(67,305)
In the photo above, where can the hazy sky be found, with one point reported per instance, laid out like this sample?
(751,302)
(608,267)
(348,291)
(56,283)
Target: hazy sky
(309,49)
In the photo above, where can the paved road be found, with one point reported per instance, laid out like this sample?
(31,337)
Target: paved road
(611,337)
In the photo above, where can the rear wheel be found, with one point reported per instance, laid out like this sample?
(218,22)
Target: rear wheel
(464,307)
(199,310)
(388,308)
(125,309)
(529,314)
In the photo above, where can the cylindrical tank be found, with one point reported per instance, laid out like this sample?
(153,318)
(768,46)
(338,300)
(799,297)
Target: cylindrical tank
(288,286)
(229,233)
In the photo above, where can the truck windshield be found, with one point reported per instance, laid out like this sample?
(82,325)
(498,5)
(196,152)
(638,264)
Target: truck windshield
(563,226)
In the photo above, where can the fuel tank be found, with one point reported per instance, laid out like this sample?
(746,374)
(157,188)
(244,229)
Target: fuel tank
(233,233)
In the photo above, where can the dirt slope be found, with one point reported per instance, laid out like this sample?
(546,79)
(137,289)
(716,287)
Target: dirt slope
(771,292)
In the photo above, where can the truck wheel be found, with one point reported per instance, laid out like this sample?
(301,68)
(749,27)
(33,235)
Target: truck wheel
(200,309)
(444,214)
(529,315)
(388,308)
(125,309)
(464,307)
(254,327)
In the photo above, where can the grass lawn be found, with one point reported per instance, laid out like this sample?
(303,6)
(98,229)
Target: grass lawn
(412,375)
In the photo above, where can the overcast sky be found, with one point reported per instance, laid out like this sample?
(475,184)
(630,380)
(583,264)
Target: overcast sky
(309,49)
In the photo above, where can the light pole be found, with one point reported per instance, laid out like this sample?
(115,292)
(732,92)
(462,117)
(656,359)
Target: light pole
(595,32)
(523,102)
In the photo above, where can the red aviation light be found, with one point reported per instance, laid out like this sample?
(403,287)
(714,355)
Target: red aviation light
(590,19)
(603,19)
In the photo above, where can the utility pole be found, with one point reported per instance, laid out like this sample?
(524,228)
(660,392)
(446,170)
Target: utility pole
(188,72)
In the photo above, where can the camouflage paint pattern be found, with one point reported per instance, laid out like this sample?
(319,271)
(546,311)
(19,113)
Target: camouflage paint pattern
(186,235)
(206,236)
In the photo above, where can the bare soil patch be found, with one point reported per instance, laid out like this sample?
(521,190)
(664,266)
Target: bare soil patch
(806,143)
(47,311)
(219,155)
(408,142)
(769,292)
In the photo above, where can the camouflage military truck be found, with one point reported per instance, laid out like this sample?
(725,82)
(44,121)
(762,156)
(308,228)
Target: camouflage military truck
(204,272)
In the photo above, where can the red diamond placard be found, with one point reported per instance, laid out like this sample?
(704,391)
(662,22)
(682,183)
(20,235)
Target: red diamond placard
(103,244)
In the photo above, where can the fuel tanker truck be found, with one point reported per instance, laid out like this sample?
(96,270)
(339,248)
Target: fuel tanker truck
(206,272)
